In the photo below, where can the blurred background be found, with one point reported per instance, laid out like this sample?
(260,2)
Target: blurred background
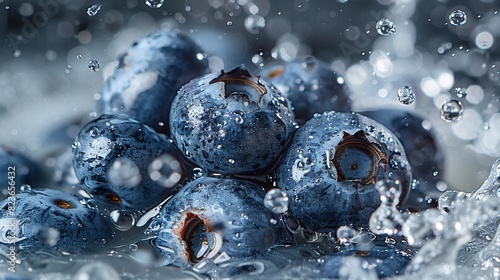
(47,89)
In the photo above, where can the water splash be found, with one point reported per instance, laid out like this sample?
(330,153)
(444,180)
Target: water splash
(452,110)
(385,27)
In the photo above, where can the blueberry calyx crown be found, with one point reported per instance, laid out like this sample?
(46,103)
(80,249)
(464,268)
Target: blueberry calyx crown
(236,83)
(199,240)
(358,159)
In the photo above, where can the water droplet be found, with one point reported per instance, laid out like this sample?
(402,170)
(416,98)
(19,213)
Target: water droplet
(155,4)
(93,10)
(17,53)
(258,60)
(254,24)
(451,110)
(238,117)
(124,172)
(133,247)
(93,65)
(122,221)
(68,69)
(406,95)
(276,200)
(309,63)
(457,17)
(165,170)
(460,92)
(97,271)
(25,188)
(345,234)
(79,56)
(385,27)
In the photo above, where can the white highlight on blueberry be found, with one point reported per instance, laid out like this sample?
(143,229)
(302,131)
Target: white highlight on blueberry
(102,146)
(141,83)
(301,166)
(276,200)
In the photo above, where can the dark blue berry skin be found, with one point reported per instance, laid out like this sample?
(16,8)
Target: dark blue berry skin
(231,123)
(109,138)
(37,213)
(422,149)
(310,85)
(149,75)
(385,258)
(16,170)
(205,208)
(330,169)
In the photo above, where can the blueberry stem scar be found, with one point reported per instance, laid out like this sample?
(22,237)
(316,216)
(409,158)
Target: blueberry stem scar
(240,75)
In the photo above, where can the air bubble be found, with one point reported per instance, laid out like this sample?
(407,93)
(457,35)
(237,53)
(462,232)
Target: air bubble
(93,65)
(276,200)
(254,24)
(155,4)
(457,17)
(122,221)
(406,95)
(165,170)
(385,27)
(452,110)
(124,172)
(93,10)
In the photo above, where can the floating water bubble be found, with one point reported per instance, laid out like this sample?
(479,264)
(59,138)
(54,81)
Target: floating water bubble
(93,10)
(155,4)
(165,170)
(452,110)
(17,53)
(122,221)
(254,24)
(276,200)
(457,17)
(93,65)
(79,56)
(406,95)
(309,63)
(385,27)
(460,92)
(68,69)
(124,172)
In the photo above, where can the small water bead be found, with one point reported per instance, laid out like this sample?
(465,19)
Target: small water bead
(122,221)
(309,63)
(258,60)
(79,56)
(17,53)
(97,271)
(345,234)
(93,10)
(124,172)
(385,27)
(155,4)
(276,200)
(452,110)
(406,95)
(457,17)
(460,92)
(25,188)
(93,65)
(254,24)
(133,247)
(165,170)
(68,69)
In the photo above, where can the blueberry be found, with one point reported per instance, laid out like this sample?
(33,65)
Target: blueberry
(424,153)
(149,75)
(330,169)
(51,221)
(16,170)
(210,216)
(310,84)
(231,122)
(113,159)
(385,258)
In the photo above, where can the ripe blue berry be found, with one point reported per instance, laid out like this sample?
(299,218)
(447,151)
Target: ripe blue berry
(210,216)
(113,158)
(310,84)
(231,122)
(149,75)
(51,221)
(331,166)
(422,150)
(16,170)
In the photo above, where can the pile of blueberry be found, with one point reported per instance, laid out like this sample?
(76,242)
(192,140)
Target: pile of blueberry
(231,164)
